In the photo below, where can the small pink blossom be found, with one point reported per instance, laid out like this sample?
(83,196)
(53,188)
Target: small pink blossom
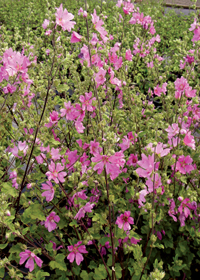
(184,165)
(49,193)
(48,32)
(69,111)
(85,209)
(75,37)
(196,36)
(79,127)
(22,147)
(172,130)
(63,18)
(133,159)
(55,174)
(124,221)
(100,77)
(45,24)
(189,140)
(171,211)
(147,164)
(76,252)
(30,263)
(87,101)
(112,164)
(9,89)
(50,221)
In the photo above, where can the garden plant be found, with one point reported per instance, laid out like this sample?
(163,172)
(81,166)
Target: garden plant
(99,141)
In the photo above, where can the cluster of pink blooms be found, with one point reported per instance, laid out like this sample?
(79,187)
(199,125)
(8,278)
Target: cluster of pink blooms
(77,113)
(182,87)
(15,63)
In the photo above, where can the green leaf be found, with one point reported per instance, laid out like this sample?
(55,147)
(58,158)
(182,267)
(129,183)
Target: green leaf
(34,211)
(137,252)
(8,189)
(3,246)
(25,230)
(118,271)
(76,270)
(49,246)
(2,272)
(141,134)
(84,275)
(63,87)
(40,275)
(100,273)
(92,265)
(168,243)
(104,240)
(58,263)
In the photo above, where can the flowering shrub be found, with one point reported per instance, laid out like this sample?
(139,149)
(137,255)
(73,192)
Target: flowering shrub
(96,181)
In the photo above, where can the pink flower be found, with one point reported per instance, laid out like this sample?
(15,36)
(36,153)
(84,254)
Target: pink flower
(133,159)
(128,8)
(63,18)
(22,147)
(79,127)
(154,181)
(184,165)
(53,119)
(49,194)
(150,64)
(48,32)
(50,221)
(124,221)
(76,252)
(100,77)
(30,263)
(87,208)
(53,173)
(171,211)
(184,209)
(157,90)
(47,51)
(87,101)
(172,130)
(147,164)
(9,89)
(80,113)
(80,11)
(196,36)
(69,111)
(125,144)
(112,164)
(98,26)
(159,149)
(55,154)
(189,140)
(45,24)
(128,55)
(54,246)
(95,149)
(75,37)
(135,241)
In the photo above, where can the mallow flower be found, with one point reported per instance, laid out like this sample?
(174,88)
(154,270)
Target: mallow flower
(30,263)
